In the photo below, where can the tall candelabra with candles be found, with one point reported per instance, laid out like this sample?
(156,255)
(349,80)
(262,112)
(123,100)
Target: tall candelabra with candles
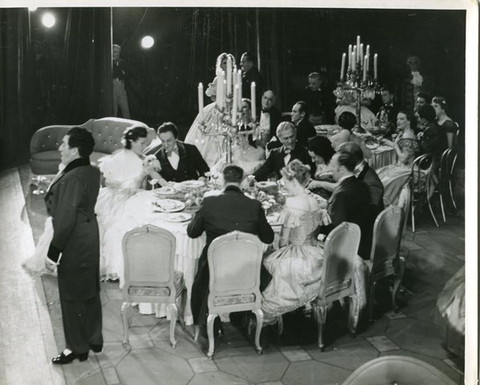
(228,118)
(358,82)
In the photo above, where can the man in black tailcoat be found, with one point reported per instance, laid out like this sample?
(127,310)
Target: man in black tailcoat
(219,215)
(179,161)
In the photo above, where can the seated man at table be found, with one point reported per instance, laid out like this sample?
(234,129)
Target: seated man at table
(219,215)
(269,119)
(179,161)
(280,157)
(305,129)
(387,114)
(350,201)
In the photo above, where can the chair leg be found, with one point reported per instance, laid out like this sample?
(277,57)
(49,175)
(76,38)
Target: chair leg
(211,339)
(396,283)
(321,316)
(412,208)
(431,210)
(173,322)
(441,204)
(280,324)
(259,315)
(196,333)
(181,311)
(352,320)
(373,286)
(125,311)
(452,198)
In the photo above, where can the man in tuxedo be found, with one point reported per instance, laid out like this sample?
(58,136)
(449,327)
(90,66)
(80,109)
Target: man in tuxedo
(179,161)
(119,72)
(305,129)
(319,100)
(281,156)
(250,74)
(75,246)
(350,200)
(387,114)
(269,118)
(219,215)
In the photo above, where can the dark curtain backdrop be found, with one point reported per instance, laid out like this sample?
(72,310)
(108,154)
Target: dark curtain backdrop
(63,75)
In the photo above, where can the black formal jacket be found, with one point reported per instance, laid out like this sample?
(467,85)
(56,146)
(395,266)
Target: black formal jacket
(249,77)
(190,166)
(375,186)
(275,120)
(70,201)
(350,202)
(305,130)
(276,161)
(219,215)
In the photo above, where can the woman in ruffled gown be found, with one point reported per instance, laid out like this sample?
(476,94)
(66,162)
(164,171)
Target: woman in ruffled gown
(321,151)
(125,173)
(245,153)
(395,176)
(211,147)
(451,313)
(297,266)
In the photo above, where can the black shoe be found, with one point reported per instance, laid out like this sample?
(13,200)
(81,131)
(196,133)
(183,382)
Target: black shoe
(96,348)
(63,359)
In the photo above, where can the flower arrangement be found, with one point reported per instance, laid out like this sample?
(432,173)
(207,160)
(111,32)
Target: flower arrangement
(194,197)
(417,79)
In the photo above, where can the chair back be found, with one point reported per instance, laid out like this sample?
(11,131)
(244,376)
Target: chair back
(149,254)
(387,237)
(397,370)
(422,174)
(340,250)
(234,262)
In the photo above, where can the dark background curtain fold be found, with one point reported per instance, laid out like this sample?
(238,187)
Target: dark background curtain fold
(63,75)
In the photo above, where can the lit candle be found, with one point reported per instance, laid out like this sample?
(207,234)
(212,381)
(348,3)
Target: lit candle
(365,64)
(224,93)
(200,101)
(239,83)
(361,52)
(235,106)
(368,62)
(354,59)
(254,101)
(220,78)
(358,48)
(342,68)
(368,50)
(350,56)
(229,75)
(375,64)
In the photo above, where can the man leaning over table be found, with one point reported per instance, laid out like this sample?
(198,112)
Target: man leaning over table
(179,161)
(219,215)
(280,157)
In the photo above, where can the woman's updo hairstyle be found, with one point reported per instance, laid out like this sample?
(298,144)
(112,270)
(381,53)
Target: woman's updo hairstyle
(440,100)
(347,120)
(131,134)
(297,170)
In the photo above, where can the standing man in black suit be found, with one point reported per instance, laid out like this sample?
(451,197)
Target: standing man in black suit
(250,74)
(305,129)
(280,157)
(75,246)
(179,161)
(219,215)
(269,118)
(349,201)
(119,74)
(387,114)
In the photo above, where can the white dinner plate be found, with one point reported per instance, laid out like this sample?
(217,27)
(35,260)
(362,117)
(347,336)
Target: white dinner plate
(177,217)
(266,184)
(192,183)
(168,206)
(165,191)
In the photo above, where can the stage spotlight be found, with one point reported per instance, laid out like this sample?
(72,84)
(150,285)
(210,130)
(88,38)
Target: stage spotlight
(147,42)
(48,20)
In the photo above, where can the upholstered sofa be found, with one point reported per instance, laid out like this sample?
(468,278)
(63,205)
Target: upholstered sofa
(107,132)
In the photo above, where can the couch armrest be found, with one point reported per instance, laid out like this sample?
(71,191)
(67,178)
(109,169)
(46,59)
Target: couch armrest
(48,138)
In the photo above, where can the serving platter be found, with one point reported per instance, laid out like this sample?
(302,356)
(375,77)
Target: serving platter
(168,206)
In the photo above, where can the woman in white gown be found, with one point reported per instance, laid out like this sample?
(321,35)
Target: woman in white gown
(211,147)
(125,173)
(245,153)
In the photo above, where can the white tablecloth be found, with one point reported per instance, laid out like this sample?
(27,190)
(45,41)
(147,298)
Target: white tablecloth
(382,156)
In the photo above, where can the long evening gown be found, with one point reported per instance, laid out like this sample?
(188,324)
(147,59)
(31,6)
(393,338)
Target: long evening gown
(296,269)
(124,175)
(395,176)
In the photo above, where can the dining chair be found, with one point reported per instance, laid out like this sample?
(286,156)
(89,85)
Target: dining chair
(451,164)
(385,259)
(234,262)
(422,185)
(401,370)
(149,255)
(337,282)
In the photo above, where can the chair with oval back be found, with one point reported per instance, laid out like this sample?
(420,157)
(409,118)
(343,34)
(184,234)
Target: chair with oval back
(149,255)
(234,262)
(385,259)
(341,247)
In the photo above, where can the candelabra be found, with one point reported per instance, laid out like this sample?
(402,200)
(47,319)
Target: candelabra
(360,82)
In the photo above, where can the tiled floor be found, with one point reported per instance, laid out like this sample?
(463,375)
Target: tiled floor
(32,331)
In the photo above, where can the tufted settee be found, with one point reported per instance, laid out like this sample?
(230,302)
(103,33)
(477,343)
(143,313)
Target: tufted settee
(107,132)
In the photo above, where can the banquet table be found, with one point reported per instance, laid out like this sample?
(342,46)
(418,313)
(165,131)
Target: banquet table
(382,156)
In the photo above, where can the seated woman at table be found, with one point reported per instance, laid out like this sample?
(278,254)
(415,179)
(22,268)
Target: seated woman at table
(346,103)
(395,176)
(245,153)
(209,146)
(125,173)
(321,151)
(347,121)
(296,267)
